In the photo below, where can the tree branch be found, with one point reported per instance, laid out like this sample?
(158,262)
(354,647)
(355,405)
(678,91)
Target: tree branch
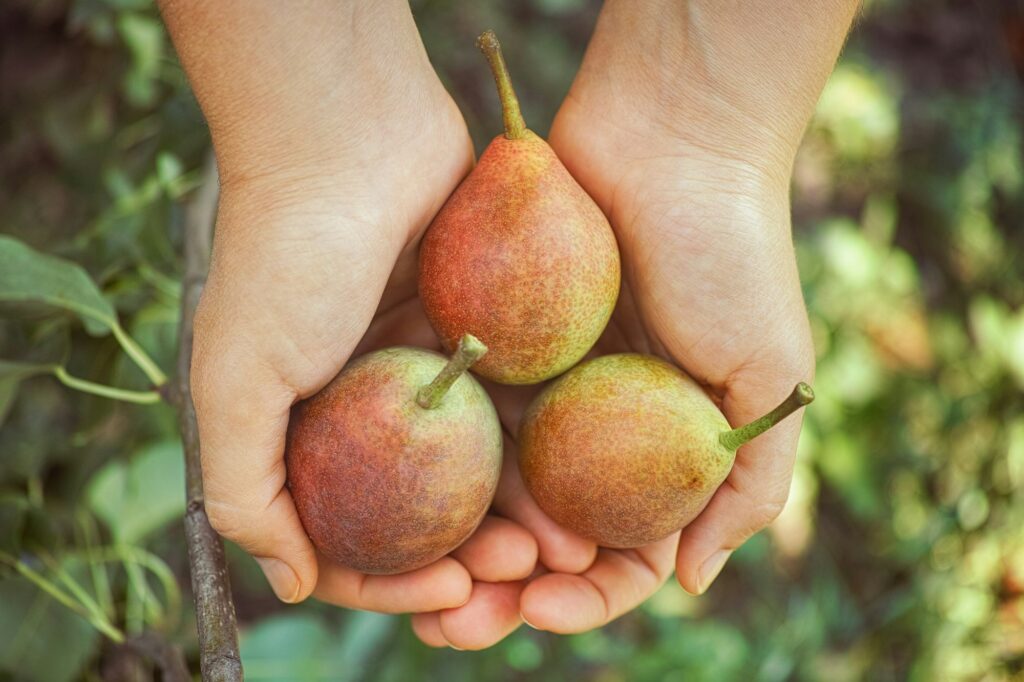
(215,611)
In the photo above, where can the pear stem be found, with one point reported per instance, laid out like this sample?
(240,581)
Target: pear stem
(515,126)
(801,395)
(470,350)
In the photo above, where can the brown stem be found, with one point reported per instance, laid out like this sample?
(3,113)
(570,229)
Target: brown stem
(470,350)
(515,126)
(801,395)
(211,589)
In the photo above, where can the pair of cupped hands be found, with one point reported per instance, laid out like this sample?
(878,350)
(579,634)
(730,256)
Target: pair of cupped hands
(315,263)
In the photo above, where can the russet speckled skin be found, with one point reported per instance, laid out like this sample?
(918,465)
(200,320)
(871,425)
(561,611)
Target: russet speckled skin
(521,257)
(381,484)
(623,449)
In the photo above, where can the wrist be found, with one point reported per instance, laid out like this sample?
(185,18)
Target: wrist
(374,189)
(310,90)
(665,96)
(720,76)
(615,147)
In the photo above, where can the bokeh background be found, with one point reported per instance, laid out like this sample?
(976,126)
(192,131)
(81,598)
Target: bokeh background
(901,552)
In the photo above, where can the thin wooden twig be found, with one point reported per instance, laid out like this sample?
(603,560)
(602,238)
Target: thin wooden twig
(211,589)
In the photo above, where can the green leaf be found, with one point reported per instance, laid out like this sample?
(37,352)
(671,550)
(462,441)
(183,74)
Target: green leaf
(558,7)
(12,370)
(364,634)
(11,375)
(139,496)
(36,283)
(287,647)
(8,392)
(860,111)
(144,37)
(523,654)
(48,348)
(844,463)
(306,647)
(168,168)
(41,529)
(39,638)
(13,510)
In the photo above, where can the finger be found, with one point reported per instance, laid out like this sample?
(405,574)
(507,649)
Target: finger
(242,433)
(247,371)
(441,585)
(558,549)
(757,487)
(490,615)
(500,550)
(427,627)
(619,580)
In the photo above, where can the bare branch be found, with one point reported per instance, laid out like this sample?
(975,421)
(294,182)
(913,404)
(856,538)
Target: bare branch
(215,611)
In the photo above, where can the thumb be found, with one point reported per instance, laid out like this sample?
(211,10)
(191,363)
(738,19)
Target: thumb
(242,433)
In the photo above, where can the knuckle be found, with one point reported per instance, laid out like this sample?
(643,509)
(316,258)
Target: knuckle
(770,509)
(226,520)
(762,503)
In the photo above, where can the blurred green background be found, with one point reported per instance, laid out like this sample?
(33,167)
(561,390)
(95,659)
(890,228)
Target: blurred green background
(901,553)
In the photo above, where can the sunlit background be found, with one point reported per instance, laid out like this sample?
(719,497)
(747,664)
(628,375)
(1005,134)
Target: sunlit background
(901,552)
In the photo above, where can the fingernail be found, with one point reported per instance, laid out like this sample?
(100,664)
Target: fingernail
(455,647)
(528,622)
(710,569)
(281,577)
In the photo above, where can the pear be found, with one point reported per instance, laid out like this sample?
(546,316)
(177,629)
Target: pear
(519,255)
(393,464)
(627,449)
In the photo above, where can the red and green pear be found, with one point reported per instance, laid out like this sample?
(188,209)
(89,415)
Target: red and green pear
(520,255)
(627,449)
(394,463)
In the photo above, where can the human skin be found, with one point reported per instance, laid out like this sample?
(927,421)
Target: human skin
(337,148)
(683,124)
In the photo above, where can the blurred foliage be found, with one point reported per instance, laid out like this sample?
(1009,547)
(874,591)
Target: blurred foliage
(901,552)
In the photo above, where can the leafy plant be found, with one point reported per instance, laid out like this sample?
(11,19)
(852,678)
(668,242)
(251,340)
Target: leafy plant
(900,554)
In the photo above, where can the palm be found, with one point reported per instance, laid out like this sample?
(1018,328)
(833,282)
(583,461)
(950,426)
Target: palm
(309,271)
(705,275)
(709,280)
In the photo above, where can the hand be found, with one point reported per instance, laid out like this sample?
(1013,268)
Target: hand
(337,145)
(695,184)
(314,263)
(710,282)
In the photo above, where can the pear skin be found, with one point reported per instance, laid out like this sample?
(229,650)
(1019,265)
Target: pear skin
(627,449)
(395,462)
(519,256)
